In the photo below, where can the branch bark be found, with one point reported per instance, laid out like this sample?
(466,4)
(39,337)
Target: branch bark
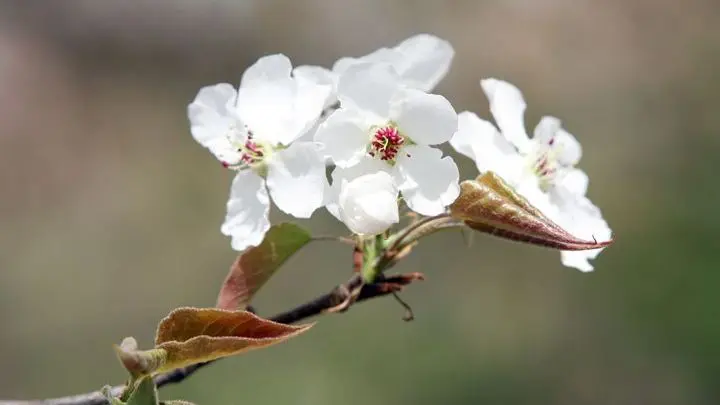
(340,299)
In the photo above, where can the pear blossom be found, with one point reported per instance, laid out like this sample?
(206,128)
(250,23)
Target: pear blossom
(253,131)
(364,197)
(541,168)
(421,61)
(396,125)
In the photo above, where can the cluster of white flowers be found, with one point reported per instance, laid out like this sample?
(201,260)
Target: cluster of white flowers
(374,120)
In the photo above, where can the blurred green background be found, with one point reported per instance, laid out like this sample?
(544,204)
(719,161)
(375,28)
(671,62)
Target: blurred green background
(110,212)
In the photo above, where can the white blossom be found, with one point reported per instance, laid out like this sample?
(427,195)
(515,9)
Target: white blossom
(364,197)
(541,168)
(380,118)
(421,61)
(252,131)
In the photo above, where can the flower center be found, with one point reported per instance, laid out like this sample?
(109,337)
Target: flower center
(544,164)
(250,152)
(385,143)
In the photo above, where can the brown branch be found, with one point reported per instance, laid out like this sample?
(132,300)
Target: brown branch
(339,299)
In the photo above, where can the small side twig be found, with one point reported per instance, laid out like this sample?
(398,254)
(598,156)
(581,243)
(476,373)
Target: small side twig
(330,238)
(409,314)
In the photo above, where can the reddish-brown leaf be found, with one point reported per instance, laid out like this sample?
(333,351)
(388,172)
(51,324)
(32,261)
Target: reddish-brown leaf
(195,335)
(254,267)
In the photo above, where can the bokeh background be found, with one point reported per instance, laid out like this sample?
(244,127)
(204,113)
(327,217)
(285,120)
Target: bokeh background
(110,213)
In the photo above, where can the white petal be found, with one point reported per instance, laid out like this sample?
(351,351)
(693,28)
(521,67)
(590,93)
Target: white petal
(426,60)
(430,182)
(368,86)
(319,75)
(583,219)
(508,108)
(296,179)
(225,152)
(529,187)
(246,220)
(368,204)
(268,109)
(215,125)
(268,68)
(344,137)
(342,64)
(573,182)
(546,130)
(332,204)
(310,100)
(566,148)
(209,116)
(276,107)
(428,119)
(480,140)
(382,55)
(309,136)
(421,61)
(469,126)
(366,165)
(581,259)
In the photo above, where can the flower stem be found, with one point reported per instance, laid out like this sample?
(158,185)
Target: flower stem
(372,250)
(411,234)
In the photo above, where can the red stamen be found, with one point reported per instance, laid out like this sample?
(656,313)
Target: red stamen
(387,142)
(252,153)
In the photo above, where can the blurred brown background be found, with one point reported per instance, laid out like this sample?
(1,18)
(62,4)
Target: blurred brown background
(110,213)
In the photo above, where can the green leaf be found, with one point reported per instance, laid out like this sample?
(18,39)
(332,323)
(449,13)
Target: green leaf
(490,205)
(138,392)
(253,268)
(145,393)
